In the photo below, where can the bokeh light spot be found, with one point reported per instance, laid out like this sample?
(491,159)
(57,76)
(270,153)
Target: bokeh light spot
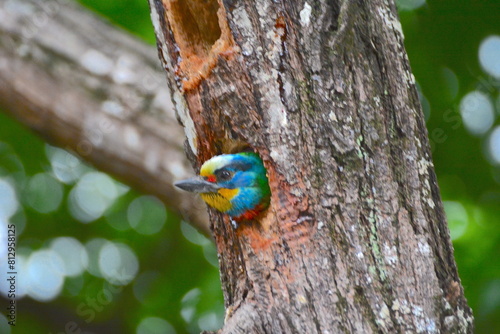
(21,281)
(44,193)
(118,263)
(93,194)
(147,215)
(490,297)
(189,303)
(73,254)
(45,272)
(93,247)
(494,145)
(409,4)
(477,112)
(65,166)
(458,219)
(191,234)
(3,239)
(8,199)
(155,325)
(210,321)
(489,55)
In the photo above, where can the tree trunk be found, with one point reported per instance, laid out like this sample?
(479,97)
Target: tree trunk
(91,88)
(355,239)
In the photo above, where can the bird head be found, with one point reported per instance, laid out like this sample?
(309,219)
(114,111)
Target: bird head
(235,184)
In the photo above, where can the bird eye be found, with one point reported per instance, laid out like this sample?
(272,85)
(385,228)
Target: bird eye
(224,175)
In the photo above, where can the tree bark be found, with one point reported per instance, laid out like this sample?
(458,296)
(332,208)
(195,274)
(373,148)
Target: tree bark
(355,239)
(92,89)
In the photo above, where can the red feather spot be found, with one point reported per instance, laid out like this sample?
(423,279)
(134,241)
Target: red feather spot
(250,214)
(211,178)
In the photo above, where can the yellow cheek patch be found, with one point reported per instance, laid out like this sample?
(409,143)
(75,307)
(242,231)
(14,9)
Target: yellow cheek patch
(228,193)
(216,201)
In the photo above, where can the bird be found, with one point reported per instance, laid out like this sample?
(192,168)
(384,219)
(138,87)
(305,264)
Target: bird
(235,184)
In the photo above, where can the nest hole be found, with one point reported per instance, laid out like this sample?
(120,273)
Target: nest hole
(201,33)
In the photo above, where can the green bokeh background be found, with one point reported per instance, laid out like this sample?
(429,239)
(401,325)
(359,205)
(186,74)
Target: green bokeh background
(178,280)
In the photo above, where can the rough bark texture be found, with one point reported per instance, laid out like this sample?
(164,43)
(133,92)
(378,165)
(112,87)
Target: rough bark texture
(90,88)
(355,240)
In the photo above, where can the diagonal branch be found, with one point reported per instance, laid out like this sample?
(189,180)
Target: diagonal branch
(92,89)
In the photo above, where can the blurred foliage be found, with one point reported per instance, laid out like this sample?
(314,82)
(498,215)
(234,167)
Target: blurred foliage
(175,288)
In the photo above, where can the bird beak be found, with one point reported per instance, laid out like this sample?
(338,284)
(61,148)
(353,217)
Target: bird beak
(197,185)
